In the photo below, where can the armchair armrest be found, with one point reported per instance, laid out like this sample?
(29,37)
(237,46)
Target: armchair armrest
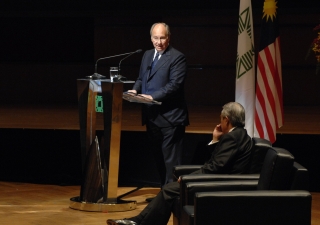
(211,177)
(217,177)
(184,170)
(192,188)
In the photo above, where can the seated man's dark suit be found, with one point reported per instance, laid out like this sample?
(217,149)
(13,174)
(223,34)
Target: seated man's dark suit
(231,155)
(166,122)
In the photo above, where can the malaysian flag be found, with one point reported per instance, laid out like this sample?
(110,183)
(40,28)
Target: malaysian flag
(269,102)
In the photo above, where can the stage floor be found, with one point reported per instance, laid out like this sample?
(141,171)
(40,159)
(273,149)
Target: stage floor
(29,204)
(297,120)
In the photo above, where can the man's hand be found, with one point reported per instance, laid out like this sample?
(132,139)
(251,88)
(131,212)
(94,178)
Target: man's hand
(146,96)
(217,132)
(132,91)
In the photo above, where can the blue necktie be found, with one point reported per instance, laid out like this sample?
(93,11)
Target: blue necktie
(155,61)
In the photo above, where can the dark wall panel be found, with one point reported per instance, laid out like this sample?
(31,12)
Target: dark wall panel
(53,156)
(41,83)
(209,42)
(42,54)
(46,39)
(41,57)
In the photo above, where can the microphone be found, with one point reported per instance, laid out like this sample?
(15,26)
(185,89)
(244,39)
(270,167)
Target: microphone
(138,51)
(96,76)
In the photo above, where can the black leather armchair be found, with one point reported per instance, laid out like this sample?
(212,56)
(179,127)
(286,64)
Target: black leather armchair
(266,201)
(259,151)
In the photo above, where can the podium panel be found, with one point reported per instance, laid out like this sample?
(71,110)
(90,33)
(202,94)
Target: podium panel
(100,162)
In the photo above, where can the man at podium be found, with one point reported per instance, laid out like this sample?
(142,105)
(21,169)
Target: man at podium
(161,78)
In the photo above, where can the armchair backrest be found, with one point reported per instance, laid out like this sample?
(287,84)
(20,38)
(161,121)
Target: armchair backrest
(259,151)
(276,170)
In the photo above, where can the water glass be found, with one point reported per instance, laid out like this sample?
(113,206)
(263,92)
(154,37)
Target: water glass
(113,74)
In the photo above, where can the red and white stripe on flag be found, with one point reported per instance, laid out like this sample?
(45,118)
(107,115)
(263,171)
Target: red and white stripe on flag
(269,102)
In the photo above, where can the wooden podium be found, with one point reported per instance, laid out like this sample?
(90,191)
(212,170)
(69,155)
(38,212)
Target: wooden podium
(100,162)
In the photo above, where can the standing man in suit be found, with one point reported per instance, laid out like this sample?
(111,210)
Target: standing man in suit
(231,155)
(161,78)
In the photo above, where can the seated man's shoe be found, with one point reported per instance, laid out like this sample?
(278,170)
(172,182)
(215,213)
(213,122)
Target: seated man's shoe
(121,222)
(149,199)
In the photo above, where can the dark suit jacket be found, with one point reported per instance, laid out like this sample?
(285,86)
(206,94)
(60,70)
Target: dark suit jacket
(231,155)
(165,84)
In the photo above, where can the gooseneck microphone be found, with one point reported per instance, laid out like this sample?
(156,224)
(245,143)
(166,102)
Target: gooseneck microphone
(138,51)
(99,76)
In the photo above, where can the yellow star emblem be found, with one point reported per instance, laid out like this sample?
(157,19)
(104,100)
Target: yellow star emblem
(270,9)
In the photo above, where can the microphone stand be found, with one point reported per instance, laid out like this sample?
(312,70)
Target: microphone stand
(97,76)
(119,74)
(120,77)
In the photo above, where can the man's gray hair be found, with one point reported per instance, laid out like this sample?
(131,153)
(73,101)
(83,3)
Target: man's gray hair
(235,113)
(165,25)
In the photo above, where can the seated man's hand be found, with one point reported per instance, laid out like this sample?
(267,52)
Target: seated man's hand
(217,132)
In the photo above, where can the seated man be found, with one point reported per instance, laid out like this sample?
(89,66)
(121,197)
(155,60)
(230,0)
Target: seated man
(231,154)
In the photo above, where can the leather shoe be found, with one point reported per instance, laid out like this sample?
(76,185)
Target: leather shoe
(149,199)
(121,222)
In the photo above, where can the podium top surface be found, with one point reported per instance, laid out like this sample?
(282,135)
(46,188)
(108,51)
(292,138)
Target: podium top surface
(108,80)
(96,85)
